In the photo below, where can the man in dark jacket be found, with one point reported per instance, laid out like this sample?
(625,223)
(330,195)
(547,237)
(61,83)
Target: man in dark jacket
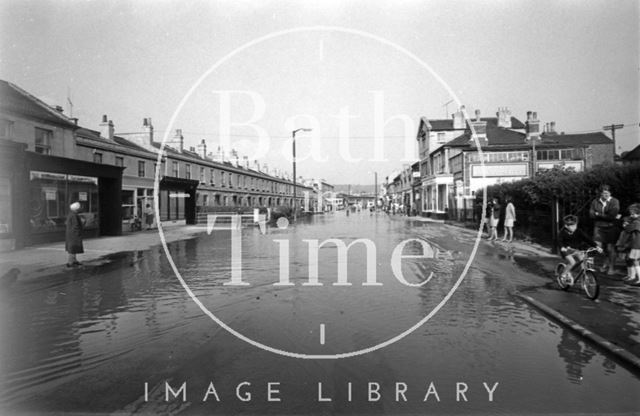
(605,213)
(73,240)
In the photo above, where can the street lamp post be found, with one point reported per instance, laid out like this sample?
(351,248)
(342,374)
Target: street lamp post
(295,186)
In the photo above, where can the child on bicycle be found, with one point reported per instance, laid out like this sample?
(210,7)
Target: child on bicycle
(630,242)
(572,240)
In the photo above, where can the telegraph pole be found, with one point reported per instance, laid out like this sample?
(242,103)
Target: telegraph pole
(613,128)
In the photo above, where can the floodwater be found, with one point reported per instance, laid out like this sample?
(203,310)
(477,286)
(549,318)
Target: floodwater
(124,335)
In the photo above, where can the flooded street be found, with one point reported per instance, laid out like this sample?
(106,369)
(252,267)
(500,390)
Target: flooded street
(111,338)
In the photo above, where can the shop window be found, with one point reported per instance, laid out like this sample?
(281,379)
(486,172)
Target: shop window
(6,129)
(119,161)
(43,141)
(97,157)
(51,194)
(141,170)
(128,204)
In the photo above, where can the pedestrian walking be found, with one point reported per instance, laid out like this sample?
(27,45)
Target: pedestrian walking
(494,218)
(148,216)
(509,219)
(629,242)
(73,236)
(605,212)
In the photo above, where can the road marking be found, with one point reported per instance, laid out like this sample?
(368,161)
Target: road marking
(321,334)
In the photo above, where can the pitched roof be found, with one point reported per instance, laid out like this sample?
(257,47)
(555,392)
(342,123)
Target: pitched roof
(632,154)
(575,139)
(447,124)
(497,136)
(15,100)
(117,140)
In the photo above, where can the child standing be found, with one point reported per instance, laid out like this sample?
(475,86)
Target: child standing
(630,240)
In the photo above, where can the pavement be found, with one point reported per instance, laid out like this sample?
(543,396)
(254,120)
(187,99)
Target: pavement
(611,323)
(39,261)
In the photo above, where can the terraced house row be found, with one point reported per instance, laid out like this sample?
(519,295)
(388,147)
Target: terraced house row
(47,160)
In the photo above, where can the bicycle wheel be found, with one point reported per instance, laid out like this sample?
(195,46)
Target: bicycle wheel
(560,268)
(590,285)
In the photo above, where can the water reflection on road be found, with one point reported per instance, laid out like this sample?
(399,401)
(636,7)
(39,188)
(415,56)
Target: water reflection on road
(89,339)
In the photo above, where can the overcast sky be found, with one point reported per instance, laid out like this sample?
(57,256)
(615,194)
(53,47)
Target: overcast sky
(574,62)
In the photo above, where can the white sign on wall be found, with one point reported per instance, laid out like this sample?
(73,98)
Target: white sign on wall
(508,170)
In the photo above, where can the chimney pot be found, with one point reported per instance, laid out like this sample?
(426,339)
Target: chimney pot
(104,118)
(477,115)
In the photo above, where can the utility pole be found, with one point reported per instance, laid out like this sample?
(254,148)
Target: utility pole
(613,128)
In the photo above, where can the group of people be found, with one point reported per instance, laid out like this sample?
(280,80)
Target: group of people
(611,232)
(492,218)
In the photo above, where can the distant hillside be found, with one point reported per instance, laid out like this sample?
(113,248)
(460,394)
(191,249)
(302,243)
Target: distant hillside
(356,189)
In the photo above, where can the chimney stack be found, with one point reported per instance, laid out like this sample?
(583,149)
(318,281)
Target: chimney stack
(256,166)
(478,129)
(552,127)
(106,128)
(504,117)
(265,168)
(202,149)
(458,119)
(147,127)
(178,140)
(533,125)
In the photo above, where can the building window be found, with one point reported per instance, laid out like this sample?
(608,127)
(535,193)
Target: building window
(119,161)
(141,169)
(230,180)
(97,157)
(202,175)
(212,180)
(6,129)
(187,171)
(441,137)
(175,169)
(43,141)
(222,182)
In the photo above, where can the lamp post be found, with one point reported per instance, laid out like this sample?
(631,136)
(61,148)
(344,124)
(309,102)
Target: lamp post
(295,186)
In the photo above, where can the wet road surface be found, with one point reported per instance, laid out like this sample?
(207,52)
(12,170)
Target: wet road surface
(111,338)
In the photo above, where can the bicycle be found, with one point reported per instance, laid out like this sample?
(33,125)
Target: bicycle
(585,272)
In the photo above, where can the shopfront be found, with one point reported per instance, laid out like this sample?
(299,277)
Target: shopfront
(53,183)
(177,200)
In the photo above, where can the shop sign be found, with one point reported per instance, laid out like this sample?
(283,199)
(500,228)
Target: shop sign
(506,170)
(179,195)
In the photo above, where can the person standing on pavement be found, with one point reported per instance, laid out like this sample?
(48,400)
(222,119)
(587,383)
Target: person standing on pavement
(148,216)
(605,212)
(494,219)
(509,219)
(631,244)
(73,236)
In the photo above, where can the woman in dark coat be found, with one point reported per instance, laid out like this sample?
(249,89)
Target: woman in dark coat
(73,240)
